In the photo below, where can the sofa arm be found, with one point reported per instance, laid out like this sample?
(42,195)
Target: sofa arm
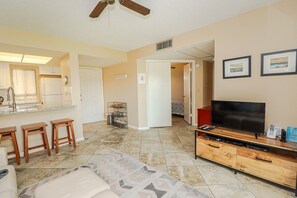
(3,157)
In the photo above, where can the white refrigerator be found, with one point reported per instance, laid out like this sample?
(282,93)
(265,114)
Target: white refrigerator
(51,91)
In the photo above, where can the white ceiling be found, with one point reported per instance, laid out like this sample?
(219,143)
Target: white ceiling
(82,59)
(118,27)
(201,51)
(34,51)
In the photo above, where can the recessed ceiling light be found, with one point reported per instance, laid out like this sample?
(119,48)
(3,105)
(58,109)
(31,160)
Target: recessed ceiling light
(36,59)
(10,57)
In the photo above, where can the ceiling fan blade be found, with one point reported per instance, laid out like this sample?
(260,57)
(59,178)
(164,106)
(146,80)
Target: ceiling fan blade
(135,7)
(98,9)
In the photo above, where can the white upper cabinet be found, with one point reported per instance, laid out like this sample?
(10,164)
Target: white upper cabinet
(49,70)
(4,76)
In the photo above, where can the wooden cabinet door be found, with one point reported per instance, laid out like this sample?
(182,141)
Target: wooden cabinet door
(276,168)
(216,151)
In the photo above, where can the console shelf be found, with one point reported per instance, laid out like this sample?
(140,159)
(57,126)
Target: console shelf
(278,165)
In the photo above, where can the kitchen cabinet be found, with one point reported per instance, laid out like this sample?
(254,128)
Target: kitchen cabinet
(49,70)
(4,76)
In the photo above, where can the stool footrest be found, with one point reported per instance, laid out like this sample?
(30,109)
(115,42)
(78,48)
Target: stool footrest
(11,152)
(35,147)
(63,142)
(64,138)
(36,132)
(41,151)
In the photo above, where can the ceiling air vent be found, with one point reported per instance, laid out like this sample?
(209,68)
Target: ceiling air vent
(164,44)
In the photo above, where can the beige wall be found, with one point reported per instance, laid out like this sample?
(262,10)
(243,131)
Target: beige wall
(177,82)
(267,29)
(69,66)
(208,84)
(122,90)
(204,84)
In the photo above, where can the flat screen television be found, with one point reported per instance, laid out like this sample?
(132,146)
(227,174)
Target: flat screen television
(243,116)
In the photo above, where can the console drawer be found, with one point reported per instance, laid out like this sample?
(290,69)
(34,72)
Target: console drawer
(216,151)
(273,167)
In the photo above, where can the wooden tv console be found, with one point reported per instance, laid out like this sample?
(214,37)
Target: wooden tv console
(278,164)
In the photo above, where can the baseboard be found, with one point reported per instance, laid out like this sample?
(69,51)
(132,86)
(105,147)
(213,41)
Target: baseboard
(143,128)
(138,128)
(80,139)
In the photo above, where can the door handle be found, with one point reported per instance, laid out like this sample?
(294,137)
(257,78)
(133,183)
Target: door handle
(213,146)
(264,160)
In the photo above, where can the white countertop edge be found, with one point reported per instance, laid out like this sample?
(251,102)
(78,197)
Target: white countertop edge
(38,109)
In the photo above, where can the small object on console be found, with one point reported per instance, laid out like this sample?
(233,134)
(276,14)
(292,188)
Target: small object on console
(283,136)
(256,147)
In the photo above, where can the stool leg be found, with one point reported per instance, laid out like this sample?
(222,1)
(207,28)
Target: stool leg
(57,139)
(68,133)
(26,151)
(16,148)
(46,141)
(43,138)
(53,136)
(73,136)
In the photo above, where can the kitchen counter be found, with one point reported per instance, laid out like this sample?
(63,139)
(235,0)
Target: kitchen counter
(29,109)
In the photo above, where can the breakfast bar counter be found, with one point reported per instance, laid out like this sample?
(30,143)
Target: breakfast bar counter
(29,109)
(24,114)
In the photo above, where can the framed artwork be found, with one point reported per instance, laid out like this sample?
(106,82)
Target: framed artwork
(237,67)
(279,63)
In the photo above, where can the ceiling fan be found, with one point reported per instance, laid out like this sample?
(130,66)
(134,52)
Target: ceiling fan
(127,3)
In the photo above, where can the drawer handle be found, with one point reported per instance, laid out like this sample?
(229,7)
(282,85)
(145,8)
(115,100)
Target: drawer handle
(265,160)
(213,146)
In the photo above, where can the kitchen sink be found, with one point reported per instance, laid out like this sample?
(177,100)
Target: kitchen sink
(5,108)
(20,107)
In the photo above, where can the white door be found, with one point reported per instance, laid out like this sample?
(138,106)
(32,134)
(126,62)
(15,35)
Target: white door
(187,93)
(159,94)
(91,95)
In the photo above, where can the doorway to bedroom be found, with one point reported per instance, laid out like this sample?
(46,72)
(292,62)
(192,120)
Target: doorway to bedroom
(181,91)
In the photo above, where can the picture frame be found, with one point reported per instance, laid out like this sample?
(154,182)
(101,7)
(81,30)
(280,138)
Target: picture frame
(279,63)
(237,67)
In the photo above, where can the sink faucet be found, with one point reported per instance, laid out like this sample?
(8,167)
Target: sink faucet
(13,97)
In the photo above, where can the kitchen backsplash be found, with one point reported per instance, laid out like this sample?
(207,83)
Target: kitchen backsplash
(3,93)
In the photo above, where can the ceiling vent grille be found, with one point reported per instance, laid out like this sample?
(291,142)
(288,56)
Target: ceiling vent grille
(164,44)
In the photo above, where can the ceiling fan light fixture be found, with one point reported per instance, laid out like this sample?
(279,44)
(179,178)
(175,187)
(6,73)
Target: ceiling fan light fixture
(110,2)
(126,3)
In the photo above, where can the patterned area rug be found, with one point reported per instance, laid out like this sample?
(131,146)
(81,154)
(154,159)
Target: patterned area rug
(129,178)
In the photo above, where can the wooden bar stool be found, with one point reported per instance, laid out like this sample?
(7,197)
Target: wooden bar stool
(36,128)
(8,133)
(55,133)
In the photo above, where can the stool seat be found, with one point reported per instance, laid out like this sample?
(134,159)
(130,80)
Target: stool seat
(8,133)
(35,128)
(55,133)
(7,130)
(61,121)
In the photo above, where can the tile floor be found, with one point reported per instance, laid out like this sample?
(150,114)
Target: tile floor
(169,149)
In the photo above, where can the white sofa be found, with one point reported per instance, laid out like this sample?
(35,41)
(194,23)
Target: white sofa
(8,185)
(81,183)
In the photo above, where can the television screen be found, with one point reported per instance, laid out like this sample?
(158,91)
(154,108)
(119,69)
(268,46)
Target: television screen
(245,116)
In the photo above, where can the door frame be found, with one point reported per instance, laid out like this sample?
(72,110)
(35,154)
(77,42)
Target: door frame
(102,92)
(193,86)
